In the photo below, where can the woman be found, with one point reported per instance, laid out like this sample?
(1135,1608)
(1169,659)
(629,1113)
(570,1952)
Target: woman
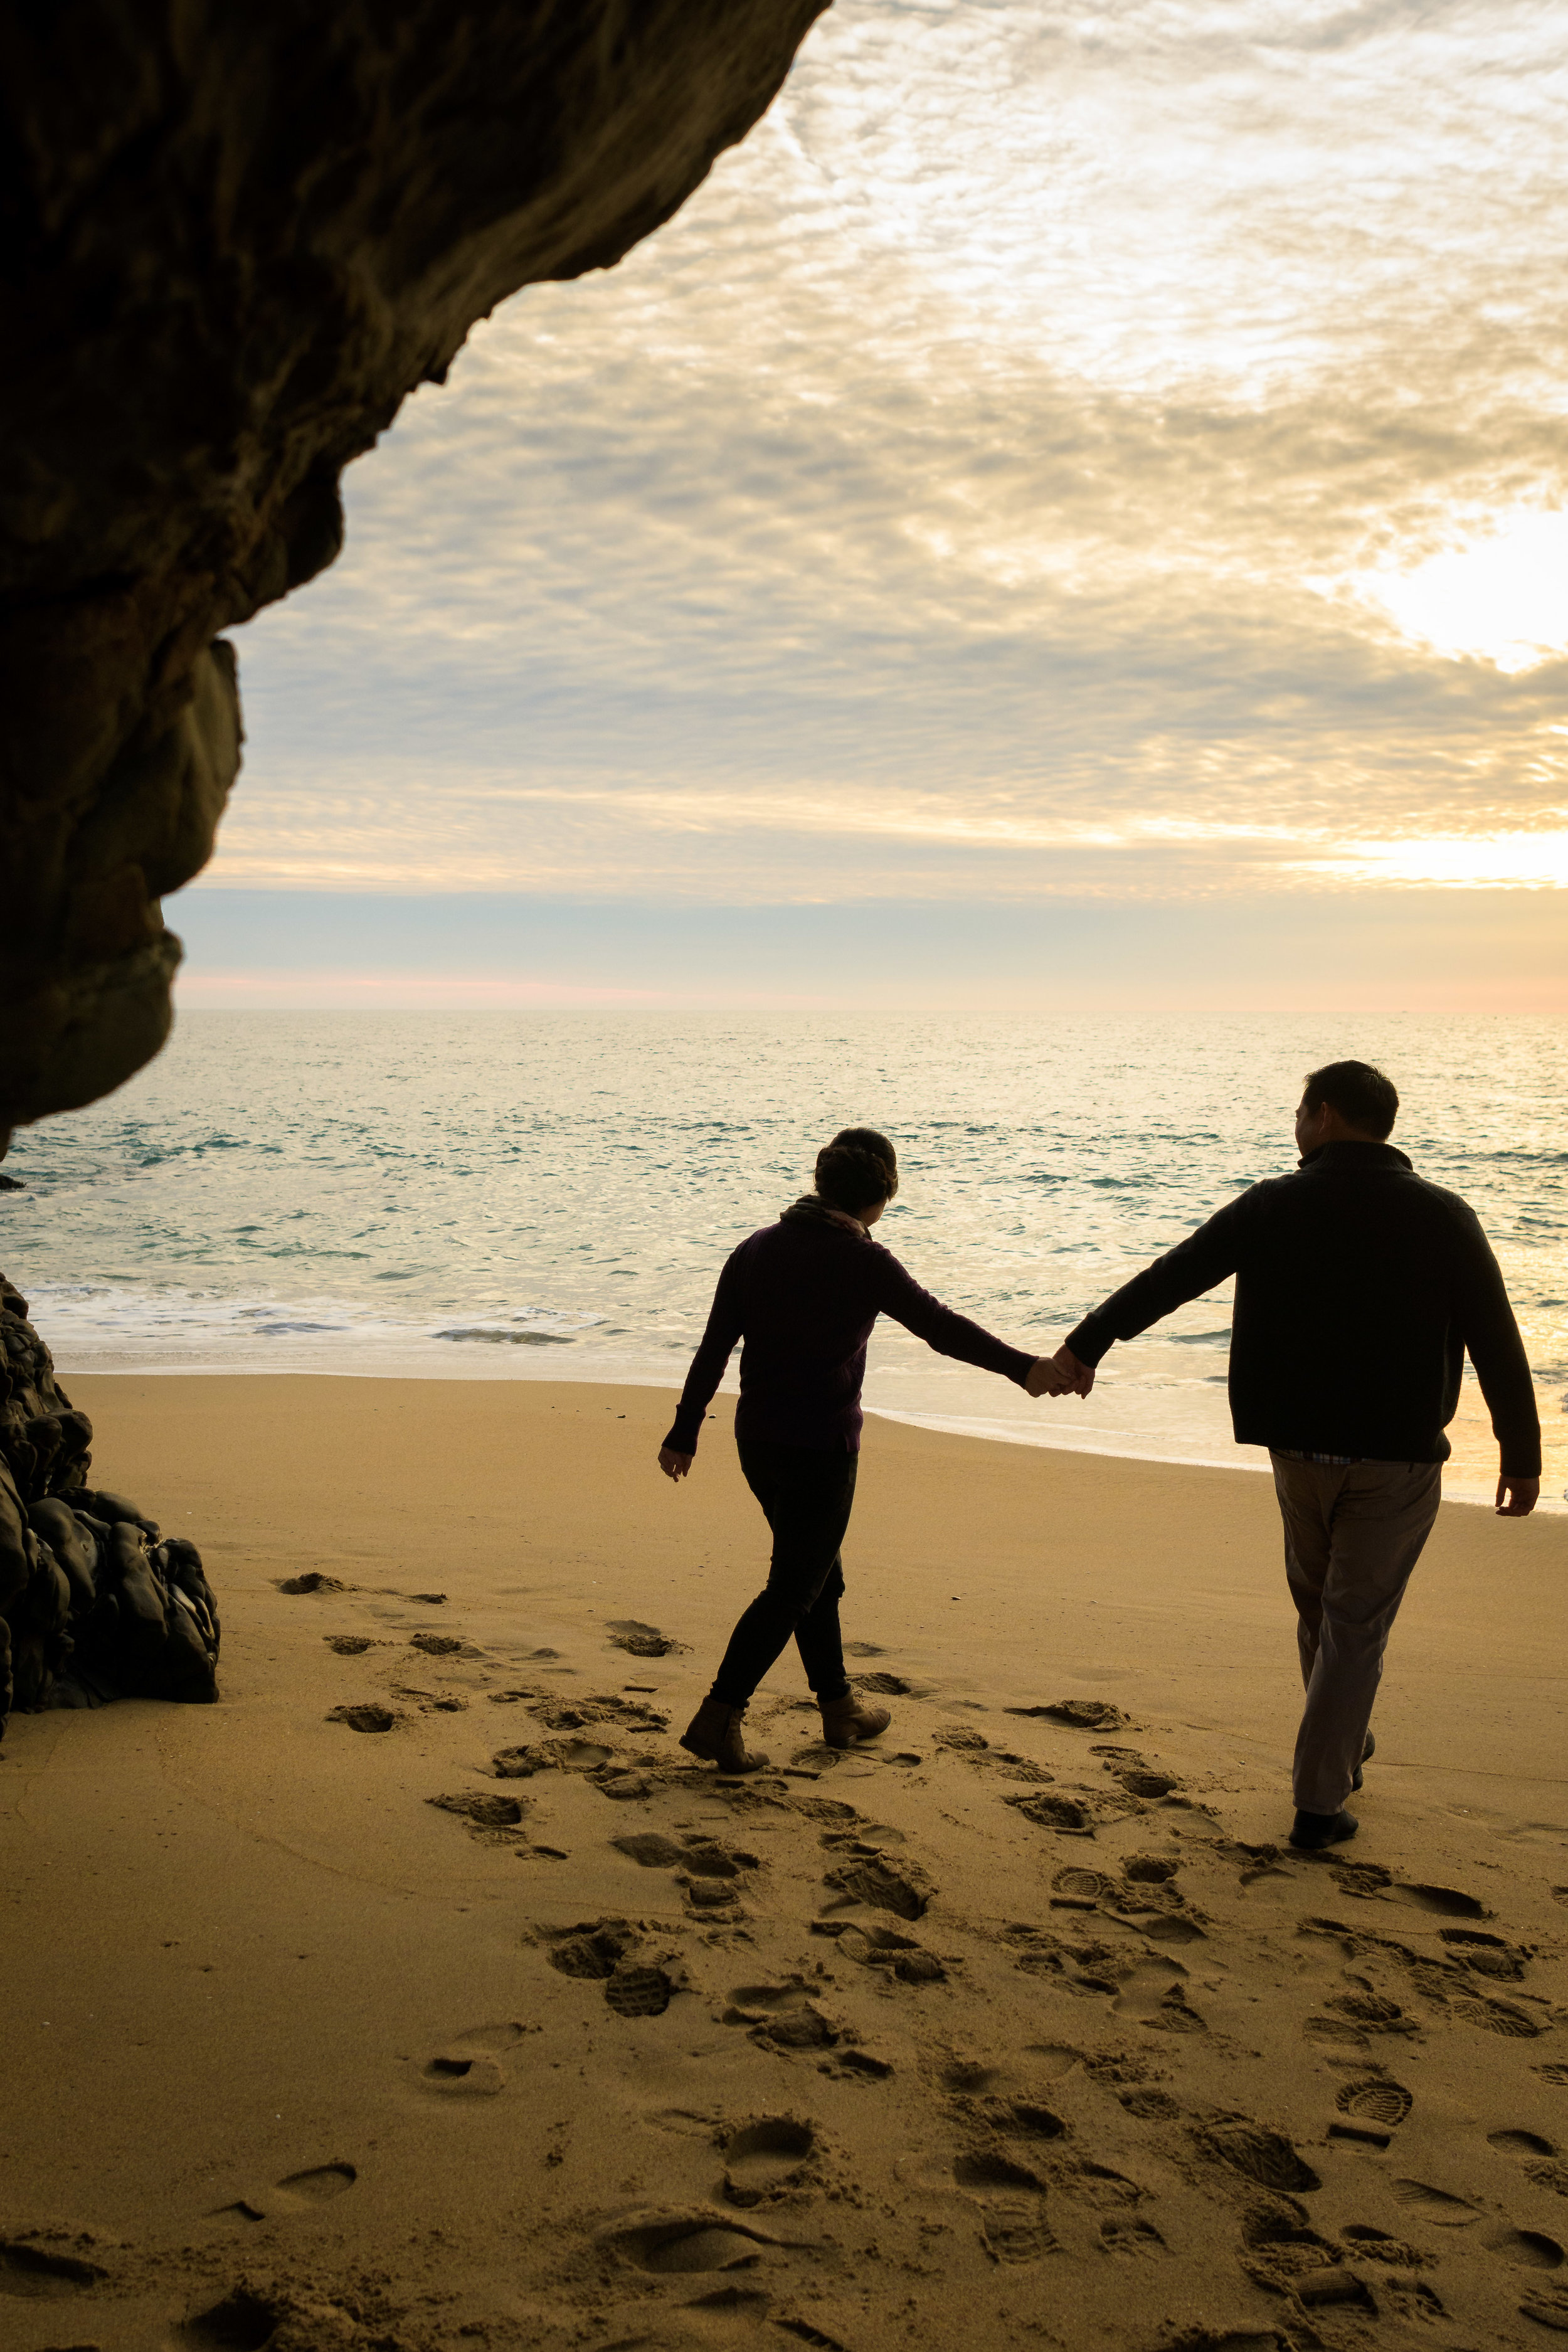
(803,1295)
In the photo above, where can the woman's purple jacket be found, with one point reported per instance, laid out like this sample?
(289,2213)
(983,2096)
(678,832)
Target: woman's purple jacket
(803,1295)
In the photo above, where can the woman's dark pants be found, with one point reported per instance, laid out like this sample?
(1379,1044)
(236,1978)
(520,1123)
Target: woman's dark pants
(807,1493)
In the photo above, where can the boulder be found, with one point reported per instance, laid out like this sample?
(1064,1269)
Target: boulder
(93,1605)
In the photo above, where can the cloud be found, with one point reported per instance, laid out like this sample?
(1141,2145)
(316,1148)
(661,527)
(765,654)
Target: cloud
(976,491)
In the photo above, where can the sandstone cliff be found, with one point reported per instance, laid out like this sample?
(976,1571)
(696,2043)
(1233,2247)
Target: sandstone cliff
(233,240)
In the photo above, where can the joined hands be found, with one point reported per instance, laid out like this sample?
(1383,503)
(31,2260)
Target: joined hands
(1059,1375)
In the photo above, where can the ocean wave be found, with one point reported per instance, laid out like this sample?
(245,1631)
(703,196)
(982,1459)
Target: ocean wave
(493,1331)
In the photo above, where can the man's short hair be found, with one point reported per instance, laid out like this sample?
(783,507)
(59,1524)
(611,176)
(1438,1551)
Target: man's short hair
(1359,1092)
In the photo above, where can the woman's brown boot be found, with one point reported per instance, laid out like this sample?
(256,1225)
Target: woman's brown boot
(844,1721)
(714,1734)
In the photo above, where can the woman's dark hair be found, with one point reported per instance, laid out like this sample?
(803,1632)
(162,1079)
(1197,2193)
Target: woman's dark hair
(857,1169)
(1359,1092)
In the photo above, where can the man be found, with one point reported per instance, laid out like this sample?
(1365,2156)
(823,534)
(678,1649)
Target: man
(1359,1286)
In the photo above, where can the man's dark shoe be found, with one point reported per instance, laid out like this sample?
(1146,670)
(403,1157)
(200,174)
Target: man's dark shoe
(1315,1829)
(1367,1753)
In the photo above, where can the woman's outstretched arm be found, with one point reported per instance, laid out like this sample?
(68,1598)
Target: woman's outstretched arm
(948,1333)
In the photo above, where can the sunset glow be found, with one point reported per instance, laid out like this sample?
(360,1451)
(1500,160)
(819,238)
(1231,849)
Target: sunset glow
(1113,461)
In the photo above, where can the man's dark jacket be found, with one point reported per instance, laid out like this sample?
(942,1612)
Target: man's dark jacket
(1359,1286)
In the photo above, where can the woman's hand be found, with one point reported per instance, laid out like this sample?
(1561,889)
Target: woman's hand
(1059,1375)
(674,1464)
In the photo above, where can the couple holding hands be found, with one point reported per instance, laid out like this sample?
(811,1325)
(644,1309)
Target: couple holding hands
(1360,1288)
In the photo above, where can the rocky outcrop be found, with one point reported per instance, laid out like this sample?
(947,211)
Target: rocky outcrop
(94,1605)
(233,240)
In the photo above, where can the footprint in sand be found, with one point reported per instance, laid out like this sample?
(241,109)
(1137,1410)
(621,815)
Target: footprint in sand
(975,1749)
(568,1755)
(1010,2196)
(687,2239)
(467,2078)
(1437,2207)
(612,1952)
(1370,2012)
(1537,2154)
(1230,2339)
(242,2320)
(1123,2233)
(318,2184)
(482,1812)
(634,1988)
(32,2266)
(640,1641)
(651,1849)
(1529,2248)
(764,2157)
(1445,1899)
(1073,1889)
(987,2167)
(898,1956)
(1258,2152)
(1079,1714)
(1066,1816)
(1151,1869)
(1501,2017)
(312,1580)
(904,1889)
(366,1719)
(1488,1956)
(469,2066)
(783,2015)
(1144,1781)
(1100,2184)
(1372,2245)
(1374,2110)
(1548,2306)
(297,2191)
(437,1645)
(1153,1994)
(593,1949)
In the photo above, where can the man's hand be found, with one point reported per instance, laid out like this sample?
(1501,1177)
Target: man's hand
(674,1464)
(1059,1375)
(1517,1498)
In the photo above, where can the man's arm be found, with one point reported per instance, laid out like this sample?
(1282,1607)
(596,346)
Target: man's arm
(725,1318)
(1487,1324)
(1195,1265)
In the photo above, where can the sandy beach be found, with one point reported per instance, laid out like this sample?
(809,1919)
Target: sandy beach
(324,2027)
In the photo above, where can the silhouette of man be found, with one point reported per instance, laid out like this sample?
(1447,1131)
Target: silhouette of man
(1359,1288)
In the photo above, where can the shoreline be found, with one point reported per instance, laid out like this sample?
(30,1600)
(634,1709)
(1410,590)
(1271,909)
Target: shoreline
(1250,1460)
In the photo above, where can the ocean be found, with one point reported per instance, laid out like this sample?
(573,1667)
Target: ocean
(516,1195)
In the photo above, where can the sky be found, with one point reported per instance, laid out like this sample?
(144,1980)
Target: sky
(1074,511)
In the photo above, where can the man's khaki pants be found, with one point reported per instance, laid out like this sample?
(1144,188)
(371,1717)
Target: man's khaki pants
(1352,1535)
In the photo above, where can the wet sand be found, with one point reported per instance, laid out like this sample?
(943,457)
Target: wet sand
(1021,2027)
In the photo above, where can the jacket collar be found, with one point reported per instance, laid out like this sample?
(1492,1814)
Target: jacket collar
(1354,1155)
(814,1210)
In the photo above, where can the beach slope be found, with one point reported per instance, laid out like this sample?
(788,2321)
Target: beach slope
(423,1994)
